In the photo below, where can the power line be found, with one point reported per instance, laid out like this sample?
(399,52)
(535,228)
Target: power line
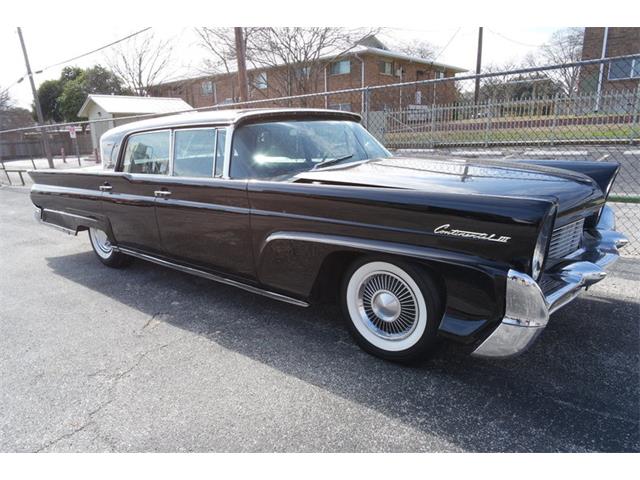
(512,40)
(6,89)
(76,57)
(447,44)
(93,51)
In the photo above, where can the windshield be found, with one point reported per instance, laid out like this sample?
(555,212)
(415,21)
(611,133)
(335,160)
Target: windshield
(281,150)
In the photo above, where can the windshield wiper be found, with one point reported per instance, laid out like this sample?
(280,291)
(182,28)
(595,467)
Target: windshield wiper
(331,161)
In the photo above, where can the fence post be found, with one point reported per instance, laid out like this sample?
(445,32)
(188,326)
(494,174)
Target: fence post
(634,116)
(554,122)
(487,127)
(432,142)
(64,157)
(365,107)
(75,144)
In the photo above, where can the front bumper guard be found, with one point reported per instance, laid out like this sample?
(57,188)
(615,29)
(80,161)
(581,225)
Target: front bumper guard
(527,307)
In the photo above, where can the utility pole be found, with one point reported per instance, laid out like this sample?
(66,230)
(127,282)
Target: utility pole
(36,101)
(242,64)
(476,94)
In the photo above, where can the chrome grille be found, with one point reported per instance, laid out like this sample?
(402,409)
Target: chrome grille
(566,240)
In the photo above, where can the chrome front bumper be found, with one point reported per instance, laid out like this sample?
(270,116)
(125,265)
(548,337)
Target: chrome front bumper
(527,306)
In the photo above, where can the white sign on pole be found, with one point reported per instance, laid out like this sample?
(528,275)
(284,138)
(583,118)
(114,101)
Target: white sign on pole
(72,132)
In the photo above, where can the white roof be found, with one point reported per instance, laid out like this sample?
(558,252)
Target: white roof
(132,105)
(401,56)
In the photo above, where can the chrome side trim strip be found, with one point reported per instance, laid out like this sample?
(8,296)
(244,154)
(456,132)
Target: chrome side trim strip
(215,278)
(426,253)
(67,214)
(38,216)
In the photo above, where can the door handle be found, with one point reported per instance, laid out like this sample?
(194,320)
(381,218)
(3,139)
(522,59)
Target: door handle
(162,193)
(105,187)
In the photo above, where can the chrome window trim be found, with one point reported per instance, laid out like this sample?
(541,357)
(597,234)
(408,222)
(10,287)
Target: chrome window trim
(227,153)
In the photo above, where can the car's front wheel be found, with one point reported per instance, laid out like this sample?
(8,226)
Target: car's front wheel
(105,251)
(392,308)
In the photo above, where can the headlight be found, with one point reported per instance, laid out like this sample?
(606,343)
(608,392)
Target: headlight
(542,244)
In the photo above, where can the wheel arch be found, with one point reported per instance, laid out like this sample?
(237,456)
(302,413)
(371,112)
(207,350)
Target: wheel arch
(310,265)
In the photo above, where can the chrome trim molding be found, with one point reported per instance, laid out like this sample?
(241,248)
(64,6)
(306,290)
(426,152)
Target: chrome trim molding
(527,308)
(215,278)
(526,315)
(38,216)
(426,253)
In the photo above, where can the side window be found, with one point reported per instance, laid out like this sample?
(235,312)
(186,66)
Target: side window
(147,153)
(193,154)
(222,140)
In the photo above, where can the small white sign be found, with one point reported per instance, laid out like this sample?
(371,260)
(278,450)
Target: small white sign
(72,132)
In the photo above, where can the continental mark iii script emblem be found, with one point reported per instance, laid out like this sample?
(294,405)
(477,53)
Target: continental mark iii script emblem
(490,237)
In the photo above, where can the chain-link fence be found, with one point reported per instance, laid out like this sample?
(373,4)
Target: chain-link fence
(580,111)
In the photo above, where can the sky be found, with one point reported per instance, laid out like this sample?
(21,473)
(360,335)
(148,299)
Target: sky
(455,46)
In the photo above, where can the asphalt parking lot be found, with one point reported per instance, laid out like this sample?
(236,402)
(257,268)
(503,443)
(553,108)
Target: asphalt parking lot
(150,359)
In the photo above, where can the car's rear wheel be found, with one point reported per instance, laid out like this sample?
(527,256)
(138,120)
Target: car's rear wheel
(392,308)
(105,251)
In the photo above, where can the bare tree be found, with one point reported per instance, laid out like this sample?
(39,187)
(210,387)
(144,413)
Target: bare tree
(142,62)
(294,57)
(5,99)
(419,48)
(220,44)
(565,46)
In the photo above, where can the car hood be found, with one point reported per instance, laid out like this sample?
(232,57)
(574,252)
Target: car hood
(467,177)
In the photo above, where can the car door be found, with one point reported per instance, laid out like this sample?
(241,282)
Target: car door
(130,192)
(204,219)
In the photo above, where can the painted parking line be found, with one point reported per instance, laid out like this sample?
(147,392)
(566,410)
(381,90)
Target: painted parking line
(415,150)
(557,152)
(631,152)
(603,157)
(467,153)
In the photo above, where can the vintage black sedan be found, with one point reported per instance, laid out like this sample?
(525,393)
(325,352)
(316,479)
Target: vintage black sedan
(305,205)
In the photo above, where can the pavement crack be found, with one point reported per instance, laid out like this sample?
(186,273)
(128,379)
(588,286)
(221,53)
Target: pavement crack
(110,398)
(150,320)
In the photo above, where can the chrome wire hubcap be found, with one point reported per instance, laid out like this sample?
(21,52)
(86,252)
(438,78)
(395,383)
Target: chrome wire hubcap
(387,306)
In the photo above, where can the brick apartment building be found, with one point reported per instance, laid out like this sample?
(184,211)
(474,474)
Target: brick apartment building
(368,63)
(617,76)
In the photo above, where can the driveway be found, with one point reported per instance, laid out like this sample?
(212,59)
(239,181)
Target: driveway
(150,359)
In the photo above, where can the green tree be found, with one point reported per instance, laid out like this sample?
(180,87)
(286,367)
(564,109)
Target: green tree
(48,94)
(71,99)
(98,79)
(61,99)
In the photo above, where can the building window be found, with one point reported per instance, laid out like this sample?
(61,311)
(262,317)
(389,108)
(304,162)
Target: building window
(206,87)
(386,68)
(624,69)
(260,81)
(341,67)
(345,107)
(303,72)
(418,97)
(439,75)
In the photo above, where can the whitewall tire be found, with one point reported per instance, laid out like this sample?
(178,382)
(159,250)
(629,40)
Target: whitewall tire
(392,308)
(104,250)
